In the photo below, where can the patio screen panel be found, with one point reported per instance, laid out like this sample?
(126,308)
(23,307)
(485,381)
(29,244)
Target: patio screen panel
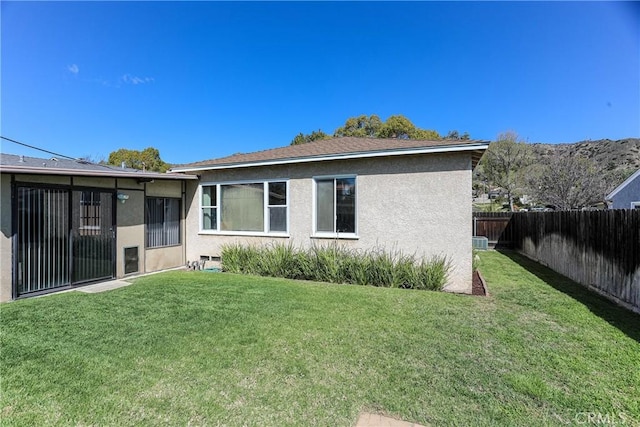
(42,239)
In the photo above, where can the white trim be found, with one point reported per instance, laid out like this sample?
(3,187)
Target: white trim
(635,205)
(624,184)
(334,236)
(218,207)
(243,233)
(345,156)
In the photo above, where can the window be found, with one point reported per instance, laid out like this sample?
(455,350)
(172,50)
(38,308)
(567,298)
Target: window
(163,222)
(635,205)
(242,207)
(209,204)
(335,205)
(245,208)
(277,206)
(90,212)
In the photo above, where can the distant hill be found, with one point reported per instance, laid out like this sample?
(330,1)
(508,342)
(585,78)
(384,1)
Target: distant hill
(618,158)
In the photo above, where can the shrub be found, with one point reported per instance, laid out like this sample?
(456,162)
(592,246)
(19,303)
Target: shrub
(337,264)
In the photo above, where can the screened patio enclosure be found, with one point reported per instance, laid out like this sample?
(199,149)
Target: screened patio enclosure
(63,237)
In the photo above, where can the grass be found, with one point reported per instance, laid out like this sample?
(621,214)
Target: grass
(197,348)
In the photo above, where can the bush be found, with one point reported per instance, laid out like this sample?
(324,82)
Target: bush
(336,264)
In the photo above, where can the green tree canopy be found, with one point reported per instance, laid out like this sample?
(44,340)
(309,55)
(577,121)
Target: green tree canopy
(313,136)
(454,134)
(147,159)
(397,126)
(361,126)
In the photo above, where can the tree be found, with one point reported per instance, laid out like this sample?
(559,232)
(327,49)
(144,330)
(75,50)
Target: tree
(399,126)
(364,126)
(147,159)
(567,182)
(427,134)
(454,134)
(313,136)
(504,163)
(361,126)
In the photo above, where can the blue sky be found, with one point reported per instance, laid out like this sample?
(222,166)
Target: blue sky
(200,80)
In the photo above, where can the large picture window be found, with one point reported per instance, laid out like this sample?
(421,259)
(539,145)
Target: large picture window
(163,222)
(335,205)
(256,207)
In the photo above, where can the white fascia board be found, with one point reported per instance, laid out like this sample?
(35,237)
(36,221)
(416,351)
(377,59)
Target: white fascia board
(624,184)
(346,156)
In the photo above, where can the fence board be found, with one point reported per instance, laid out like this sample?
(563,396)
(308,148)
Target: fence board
(493,226)
(598,249)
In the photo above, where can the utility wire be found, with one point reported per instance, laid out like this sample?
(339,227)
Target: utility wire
(36,148)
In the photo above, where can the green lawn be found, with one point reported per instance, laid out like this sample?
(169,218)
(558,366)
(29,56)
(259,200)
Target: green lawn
(196,348)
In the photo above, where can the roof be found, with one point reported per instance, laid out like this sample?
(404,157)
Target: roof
(10,163)
(623,185)
(336,149)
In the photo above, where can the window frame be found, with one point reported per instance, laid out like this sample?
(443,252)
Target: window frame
(334,234)
(88,215)
(266,219)
(164,207)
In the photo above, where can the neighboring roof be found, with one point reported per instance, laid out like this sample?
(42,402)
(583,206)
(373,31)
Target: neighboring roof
(336,149)
(10,163)
(624,184)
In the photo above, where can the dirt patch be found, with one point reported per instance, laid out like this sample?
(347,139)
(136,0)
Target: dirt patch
(478,286)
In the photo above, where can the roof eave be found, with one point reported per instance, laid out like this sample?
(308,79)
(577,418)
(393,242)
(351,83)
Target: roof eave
(28,170)
(626,182)
(475,147)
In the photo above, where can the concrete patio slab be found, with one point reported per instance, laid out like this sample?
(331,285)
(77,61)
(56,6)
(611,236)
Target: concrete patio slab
(103,286)
(374,420)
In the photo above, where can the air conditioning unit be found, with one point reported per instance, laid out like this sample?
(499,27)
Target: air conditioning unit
(481,243)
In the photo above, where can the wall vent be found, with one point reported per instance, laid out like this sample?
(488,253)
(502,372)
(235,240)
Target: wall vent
(131,262)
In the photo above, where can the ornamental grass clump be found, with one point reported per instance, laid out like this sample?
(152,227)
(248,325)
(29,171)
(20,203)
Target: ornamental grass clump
(338,264)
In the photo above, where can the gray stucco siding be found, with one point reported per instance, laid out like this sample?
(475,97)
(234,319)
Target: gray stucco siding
(627,195)
(6,268)
(416,204)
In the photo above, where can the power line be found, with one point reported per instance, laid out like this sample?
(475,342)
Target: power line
(37,148)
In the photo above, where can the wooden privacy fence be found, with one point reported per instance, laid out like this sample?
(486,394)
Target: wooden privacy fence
(598,249)
(493,226)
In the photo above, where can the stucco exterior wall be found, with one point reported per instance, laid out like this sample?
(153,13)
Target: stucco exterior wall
(157,259)
(164,189)
(131,228)
(5,238)
(417,204)
(108,183)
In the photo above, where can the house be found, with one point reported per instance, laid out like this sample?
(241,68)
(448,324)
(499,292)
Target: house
(363,193)
(627,194)
(68,222)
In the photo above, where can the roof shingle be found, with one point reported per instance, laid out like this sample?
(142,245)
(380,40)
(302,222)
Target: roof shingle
(329,147)
(11,163)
